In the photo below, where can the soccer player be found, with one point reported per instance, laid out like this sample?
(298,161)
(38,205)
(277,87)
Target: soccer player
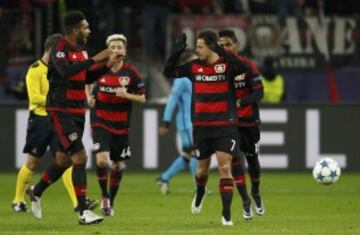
(214,112)
(40,134)
(249,91)
(179,99)
(69,70)
(117,90)
(39,131)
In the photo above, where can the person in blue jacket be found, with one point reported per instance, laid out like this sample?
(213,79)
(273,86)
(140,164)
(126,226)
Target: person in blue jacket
(179,100)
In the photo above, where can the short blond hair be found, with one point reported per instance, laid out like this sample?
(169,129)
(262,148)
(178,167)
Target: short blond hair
(116,37)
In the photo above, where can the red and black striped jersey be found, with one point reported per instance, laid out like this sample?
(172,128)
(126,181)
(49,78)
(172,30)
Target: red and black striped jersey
(249,90)
(213,96)
(69,70)
(112,113)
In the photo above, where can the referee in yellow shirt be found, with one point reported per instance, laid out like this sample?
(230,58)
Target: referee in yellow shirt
(40,133)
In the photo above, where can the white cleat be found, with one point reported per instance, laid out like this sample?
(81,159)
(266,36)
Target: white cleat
(164,185)
(89,217)
(112,212)
(197,209)
(35,203)
(260,210)
(248,215)
(224,222)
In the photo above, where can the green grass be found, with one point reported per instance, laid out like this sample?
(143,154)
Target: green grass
(295,204)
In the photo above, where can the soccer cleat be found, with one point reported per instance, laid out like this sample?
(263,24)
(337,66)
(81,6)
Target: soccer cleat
(163,184)
(90,204)
(19,207)
(112,212)
(259,205)
(247,210)
(35,203)
(260,210)
(196,209)
(248,215)
(105,206)
(89,217)
(225,222)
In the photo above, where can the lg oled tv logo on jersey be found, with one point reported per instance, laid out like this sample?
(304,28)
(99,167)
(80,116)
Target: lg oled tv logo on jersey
(220,68)
(240,77)
(210,78)
(107,89)
(124,81)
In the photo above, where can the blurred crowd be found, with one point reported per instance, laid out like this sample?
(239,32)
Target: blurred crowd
(145,22)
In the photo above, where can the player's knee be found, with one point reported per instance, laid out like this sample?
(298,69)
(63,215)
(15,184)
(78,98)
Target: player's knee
(32,162)
(118,165)
(101,162)
(32,165)
(79,159)
(63,162)
(225,169)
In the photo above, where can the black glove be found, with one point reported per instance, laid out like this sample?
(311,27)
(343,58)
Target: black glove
(179,47)
(214,46)
(229,57)
(180,44)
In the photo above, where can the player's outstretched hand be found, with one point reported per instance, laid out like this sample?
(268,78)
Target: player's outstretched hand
(102,55)
(215,46)
(180,43)
(114,59)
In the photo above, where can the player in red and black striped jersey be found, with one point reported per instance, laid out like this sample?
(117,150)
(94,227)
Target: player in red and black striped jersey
(69,70)
(249,91)
(112,104)
(213,112)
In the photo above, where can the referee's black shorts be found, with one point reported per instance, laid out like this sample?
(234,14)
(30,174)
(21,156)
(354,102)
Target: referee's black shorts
(40,135)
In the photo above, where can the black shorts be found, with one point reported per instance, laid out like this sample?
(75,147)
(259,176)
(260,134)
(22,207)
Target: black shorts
(249,139)
(40,135)
(117,145)
(223,139)
(69,128)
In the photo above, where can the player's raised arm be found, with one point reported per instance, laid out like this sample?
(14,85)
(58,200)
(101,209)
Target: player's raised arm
(171,70)
(66,69)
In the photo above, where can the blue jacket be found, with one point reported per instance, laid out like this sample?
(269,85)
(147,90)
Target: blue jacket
(180,98)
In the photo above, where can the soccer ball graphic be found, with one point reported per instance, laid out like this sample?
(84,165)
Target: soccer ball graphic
(326,171)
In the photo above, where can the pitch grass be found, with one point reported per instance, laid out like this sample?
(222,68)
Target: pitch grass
(295,204)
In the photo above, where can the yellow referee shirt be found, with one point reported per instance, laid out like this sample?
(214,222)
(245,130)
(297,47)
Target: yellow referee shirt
(37,87)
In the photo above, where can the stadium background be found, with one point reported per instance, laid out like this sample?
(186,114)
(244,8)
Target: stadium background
(315,46)
(317,56)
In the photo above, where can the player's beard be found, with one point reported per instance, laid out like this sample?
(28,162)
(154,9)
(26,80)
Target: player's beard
(83,39)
